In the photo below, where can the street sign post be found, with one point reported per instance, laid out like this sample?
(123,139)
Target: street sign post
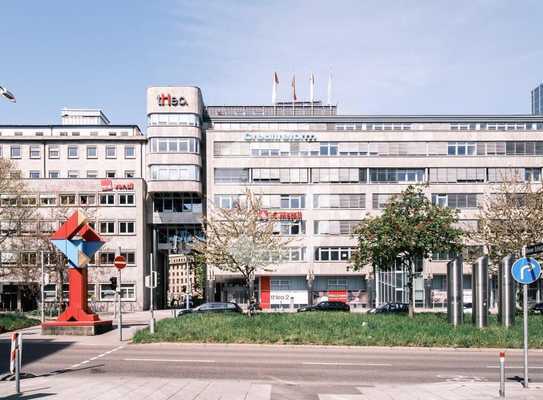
(525,271)
(534,249)
(120,263)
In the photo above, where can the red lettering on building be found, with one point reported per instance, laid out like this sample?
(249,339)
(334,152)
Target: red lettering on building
(281,215)
(108,186)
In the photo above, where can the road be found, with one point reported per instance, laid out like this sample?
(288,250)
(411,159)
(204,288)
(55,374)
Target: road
(294,372)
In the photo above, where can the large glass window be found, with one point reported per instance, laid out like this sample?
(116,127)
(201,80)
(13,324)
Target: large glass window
(174,119)
(293,201)
(462,149)
(175,145)
(456,200)
(231,175)
(334,253)
(175,172)
(338,175)
(396,175)
(328,149)
(177,202)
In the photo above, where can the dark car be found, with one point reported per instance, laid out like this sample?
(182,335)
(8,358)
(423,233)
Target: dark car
(538,308)
(390,308)
(208,308)
(327,306)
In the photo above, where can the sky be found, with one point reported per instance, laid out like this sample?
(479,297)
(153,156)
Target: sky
(386,57)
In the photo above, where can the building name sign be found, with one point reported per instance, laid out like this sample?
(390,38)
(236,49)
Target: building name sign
(108,186)
(280,137)
(171,101)
(281,215)
(285,296)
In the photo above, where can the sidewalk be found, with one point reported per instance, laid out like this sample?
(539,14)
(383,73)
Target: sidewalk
(132,322)
(134,388)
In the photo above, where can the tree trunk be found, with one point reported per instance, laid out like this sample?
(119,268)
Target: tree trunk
(411,285)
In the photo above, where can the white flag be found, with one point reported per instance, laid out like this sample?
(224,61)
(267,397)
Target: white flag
(312,88)
(274,87)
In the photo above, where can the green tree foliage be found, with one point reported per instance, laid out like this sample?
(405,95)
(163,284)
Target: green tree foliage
(410,228)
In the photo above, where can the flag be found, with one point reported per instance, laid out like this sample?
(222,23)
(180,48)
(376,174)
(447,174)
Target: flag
(312,88)
(274,87)
(329,99)
(294,88)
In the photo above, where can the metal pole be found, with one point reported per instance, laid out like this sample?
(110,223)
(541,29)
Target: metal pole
(502,374)
(42,289)
(188,284)
(151,281)
(525,312)
(120,309)
(17,370)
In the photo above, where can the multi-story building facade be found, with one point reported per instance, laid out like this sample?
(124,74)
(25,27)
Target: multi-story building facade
(318,173)
(537,100)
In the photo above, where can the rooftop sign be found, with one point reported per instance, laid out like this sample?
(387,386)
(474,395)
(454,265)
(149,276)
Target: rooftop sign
(280,137)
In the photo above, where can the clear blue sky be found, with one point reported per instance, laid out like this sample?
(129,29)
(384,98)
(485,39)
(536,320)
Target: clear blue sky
(387,57)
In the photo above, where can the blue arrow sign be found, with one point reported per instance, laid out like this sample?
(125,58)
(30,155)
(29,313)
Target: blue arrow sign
(526,270)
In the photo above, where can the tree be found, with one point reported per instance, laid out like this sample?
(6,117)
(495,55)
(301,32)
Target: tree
(509,219)
(409,229)
(240,239)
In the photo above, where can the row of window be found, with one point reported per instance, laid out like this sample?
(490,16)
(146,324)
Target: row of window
(69,199)
(173,120)
(72,151)
(343,149)
(331,284)
(175,172)
(474,126)
(174,145)
(177,202)
(376,175)
(93,174)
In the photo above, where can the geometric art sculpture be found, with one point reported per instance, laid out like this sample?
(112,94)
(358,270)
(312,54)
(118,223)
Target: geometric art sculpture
(78,242)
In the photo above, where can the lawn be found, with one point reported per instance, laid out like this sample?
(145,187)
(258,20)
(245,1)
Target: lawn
(14,321)
(426,330)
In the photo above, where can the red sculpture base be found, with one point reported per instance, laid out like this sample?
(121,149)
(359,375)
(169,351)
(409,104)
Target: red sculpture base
(77,319)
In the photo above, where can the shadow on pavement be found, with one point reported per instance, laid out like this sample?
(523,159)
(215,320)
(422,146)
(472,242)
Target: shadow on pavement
(25,396)
(32,351)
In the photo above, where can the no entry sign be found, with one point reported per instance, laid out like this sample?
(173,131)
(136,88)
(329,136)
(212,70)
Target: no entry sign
(120,262)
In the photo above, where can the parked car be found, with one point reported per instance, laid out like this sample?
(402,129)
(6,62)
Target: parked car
(327,306)
(390,308)
(538,308)
(468,308)
(208,308)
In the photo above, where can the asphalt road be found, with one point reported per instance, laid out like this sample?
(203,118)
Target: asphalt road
(295,372)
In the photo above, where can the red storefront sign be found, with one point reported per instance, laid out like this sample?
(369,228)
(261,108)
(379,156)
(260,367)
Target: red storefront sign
(108,186)
(281,215)
(337,295)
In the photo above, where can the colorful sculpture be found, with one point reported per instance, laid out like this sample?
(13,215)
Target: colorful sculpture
(78,242)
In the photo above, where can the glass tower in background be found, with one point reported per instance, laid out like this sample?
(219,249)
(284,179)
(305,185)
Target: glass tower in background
(537,100)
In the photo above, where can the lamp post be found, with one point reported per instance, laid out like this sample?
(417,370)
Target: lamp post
(7,94)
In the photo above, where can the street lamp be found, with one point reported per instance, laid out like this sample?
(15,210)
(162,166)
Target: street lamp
(7,94)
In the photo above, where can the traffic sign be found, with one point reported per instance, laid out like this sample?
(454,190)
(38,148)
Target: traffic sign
(177,259)
(526,270)
(534,249)
(119,262)
(151,280)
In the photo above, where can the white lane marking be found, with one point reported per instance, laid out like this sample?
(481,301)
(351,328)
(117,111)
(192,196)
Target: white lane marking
(347,364)
(168,360)
(512,367)
(94,358)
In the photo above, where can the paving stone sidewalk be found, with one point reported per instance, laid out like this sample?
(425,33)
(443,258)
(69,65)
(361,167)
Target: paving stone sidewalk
(134,388)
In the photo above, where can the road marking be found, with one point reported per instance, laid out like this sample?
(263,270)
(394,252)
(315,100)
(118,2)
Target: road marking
(347,364)
(168,360)
(512,367)
(94,358)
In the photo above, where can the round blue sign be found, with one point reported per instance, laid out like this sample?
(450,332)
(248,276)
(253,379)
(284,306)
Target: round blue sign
(526,270)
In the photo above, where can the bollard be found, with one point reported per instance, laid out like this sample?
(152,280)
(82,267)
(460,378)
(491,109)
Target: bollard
(502,373)
(506,292)
(479,292)
(17,370)
(455,293)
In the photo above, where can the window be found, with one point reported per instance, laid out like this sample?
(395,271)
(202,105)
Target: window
(456,200)
(174,119)
(28,201)
(73,152)
(15,151)
(107,258)
(110,174)
(111,152)
(342,227)
(292,227)
(129,174)
(334,253)
(87,199)
(226,200)
(177,202)
(92,152)
(175,172)
(92,174)
(457,175)
(328,149)
(48,200)
(107,199)
(532,174)
(34,174)
(73,174)
(295,201)
(126,199)
(128,291)
(337,284)
(107,227)
(129,152)
(35,152)
(106,292)
(54,152)
(15,175)
(461,149)
(338,175)
(130,257)
(396,175)
(127,227)
(357,200)
(67,199)
(280,284)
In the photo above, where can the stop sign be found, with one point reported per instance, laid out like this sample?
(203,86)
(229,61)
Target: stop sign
(120,262)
